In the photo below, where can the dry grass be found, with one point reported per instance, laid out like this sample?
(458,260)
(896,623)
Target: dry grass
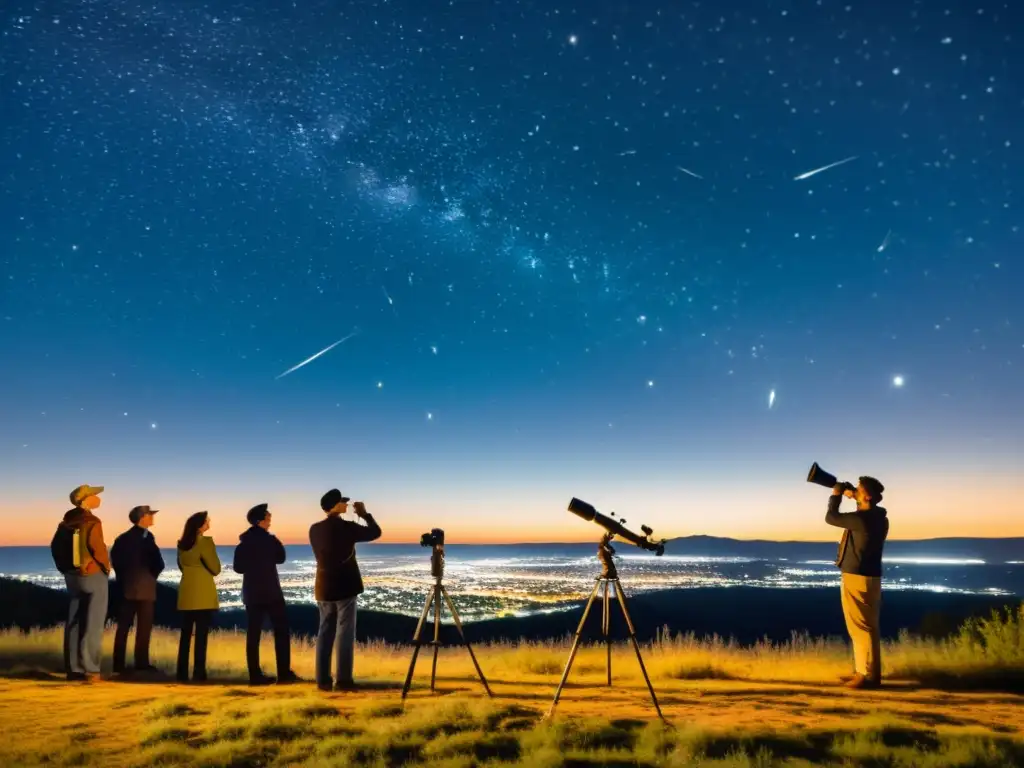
(725,705)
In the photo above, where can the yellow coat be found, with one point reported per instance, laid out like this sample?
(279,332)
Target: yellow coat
(197,591)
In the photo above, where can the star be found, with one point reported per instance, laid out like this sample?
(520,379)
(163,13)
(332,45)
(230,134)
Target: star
(573,39)
(897,381)
(153,425)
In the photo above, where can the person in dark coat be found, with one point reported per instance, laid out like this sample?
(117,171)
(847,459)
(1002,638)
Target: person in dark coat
(257,556)
(137,563)
(338,585)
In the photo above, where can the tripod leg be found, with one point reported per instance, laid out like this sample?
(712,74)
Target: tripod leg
(437,634)
(606,629)
(575,647)
(458,626)
(416,643)
(636,646)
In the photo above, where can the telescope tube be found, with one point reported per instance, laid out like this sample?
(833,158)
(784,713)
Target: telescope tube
(587,512)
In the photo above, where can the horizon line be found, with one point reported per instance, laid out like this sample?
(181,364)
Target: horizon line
(590,541)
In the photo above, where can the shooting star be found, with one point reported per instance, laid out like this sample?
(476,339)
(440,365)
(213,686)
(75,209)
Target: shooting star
(627,152)
(816,171)
(324,351)
(885,243)
(771,398)
(691,173)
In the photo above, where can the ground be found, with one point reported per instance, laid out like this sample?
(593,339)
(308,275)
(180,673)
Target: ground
(954,703)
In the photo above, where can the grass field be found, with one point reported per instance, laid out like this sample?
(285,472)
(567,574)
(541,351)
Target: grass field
(956,702)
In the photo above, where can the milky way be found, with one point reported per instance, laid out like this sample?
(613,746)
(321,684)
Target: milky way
(620,226)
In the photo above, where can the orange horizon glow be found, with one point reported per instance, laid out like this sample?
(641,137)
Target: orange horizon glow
(980,505)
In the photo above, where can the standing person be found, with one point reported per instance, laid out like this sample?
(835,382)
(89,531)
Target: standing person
(81,556)
(338,584)
(137,563)
(860,560)
(197,593)
(257,556)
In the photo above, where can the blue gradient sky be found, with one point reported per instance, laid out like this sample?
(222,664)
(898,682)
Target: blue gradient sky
(196,197)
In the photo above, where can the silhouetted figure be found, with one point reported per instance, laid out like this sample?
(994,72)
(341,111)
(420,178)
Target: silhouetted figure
(137,563)
(338,584)
(860,560)
(197,593)
(257,556)
(81,556)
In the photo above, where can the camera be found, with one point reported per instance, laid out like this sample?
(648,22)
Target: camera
(819,476)
(433,539)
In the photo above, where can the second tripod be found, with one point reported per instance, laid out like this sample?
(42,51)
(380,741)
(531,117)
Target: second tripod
(609,579)
(435,539)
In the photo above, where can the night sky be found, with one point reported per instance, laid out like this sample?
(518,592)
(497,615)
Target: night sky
(581,249)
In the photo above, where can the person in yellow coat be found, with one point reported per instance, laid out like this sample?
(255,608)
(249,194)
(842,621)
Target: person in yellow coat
(197,593)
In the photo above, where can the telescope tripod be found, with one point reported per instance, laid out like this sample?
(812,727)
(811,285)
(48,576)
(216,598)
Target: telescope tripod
(434,595)
(609,578)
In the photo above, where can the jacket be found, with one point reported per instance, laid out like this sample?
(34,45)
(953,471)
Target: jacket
(257,556)
(92,552)
(137,562)
(334,545)
(197,591)
(860,549)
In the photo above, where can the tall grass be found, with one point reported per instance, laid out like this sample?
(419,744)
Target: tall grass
(986,651)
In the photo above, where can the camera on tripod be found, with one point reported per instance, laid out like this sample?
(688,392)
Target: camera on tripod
(433,539)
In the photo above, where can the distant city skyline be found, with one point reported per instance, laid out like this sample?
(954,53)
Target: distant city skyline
(466,262)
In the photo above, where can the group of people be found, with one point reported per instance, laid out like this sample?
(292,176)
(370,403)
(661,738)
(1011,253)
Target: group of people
(80,554)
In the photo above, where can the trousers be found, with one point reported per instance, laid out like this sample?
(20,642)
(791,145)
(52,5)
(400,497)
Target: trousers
(338,634)
(141,613)
(862,604)
(200,622)
(87,613)
(278,616)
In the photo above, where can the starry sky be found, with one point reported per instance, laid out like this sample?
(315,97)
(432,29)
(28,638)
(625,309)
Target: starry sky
(573,249)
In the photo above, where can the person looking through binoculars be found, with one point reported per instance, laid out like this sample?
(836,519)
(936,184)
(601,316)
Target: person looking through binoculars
(338,585)
(860,560)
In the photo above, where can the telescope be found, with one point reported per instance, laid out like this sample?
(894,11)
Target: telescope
(616,527)
(819,476)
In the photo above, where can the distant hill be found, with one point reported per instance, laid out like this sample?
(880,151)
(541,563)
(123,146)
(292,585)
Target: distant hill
(989,550)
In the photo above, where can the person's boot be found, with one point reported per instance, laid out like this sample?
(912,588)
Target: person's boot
(258,678)
(860,682)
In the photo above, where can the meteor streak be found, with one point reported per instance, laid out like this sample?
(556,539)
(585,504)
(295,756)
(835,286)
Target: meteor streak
(323,351)
(816,171)
(691,173)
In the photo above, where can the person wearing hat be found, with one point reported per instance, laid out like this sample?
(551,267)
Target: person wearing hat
(81,556)
(860,560)
(137,563)
(338,584)
(257,556)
